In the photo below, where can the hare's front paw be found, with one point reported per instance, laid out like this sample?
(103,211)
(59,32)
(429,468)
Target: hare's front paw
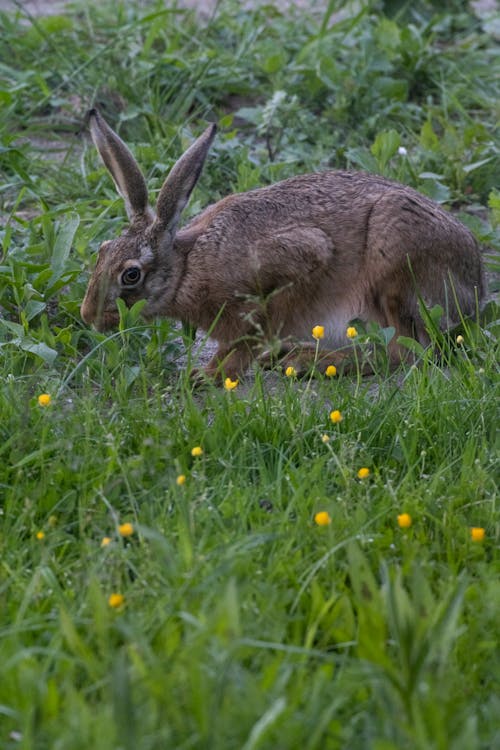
(214,372)
(199,377)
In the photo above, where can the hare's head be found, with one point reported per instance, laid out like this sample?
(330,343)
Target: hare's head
(137,264)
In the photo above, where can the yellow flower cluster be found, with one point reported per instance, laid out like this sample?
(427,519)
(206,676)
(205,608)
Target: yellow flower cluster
(318,333)
(336,416)
(44,399)
(477,533)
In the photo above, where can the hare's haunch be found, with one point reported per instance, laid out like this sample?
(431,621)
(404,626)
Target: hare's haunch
(271,263)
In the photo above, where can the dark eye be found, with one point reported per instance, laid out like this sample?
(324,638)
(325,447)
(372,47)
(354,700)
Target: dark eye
(131,276)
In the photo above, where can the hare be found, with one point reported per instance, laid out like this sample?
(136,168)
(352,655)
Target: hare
(271,263)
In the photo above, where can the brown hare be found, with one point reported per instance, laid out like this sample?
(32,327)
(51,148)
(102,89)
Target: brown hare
(271,263)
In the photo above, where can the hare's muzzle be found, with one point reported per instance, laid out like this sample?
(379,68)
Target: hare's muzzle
(101,322)
(95,310)
(85,314)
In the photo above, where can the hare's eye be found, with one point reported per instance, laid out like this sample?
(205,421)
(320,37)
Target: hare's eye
(131,276)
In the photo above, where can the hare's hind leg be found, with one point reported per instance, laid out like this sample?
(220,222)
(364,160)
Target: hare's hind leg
(304,357)
(229,361)
(400,313)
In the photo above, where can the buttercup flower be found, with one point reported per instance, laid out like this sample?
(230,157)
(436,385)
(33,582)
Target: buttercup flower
(116,600)
(336,416)
(181,479)
(44,399)
(229,384)
(125,529)
(290,372)
(363,472)
(404,521)
(322,518)
(325,438)
(105,541)
(318,332)
(197,451)
(477,533)
(351,332)
(40,535)
(331,371)
(459,340)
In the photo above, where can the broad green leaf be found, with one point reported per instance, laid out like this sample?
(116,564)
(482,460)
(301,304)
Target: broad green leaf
(385,146)
(428,138)
(63,243)
(39,349)
(475,165)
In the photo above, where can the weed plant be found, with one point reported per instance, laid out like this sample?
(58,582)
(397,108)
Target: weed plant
(152,598)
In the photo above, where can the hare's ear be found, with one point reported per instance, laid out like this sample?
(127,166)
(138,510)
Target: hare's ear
(183,176)
(124,169)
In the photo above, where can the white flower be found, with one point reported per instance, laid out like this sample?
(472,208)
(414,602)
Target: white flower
(402,151)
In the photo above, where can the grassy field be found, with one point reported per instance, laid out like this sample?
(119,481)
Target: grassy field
(152,598)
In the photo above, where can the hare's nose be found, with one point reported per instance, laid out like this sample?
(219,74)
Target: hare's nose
(85,314)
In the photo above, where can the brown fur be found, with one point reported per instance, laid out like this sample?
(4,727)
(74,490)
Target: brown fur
(314,249)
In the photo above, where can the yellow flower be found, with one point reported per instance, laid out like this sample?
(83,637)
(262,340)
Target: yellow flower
(181,479)
(125,529)
(290,372)
(363,472)
(331,371)
(322,518)
(197,451)
(44,399)
(116,600)
(40,535)
(229,384)
(477,533)
(336,416)
(105,541)
(459,340)
(404,521)
(318,332)
(351,332)
(325,438)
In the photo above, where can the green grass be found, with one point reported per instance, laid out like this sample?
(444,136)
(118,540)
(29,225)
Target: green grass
(245,625)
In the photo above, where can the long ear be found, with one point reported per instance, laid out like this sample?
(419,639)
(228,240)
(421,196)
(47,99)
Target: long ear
(183,176)
(124,169)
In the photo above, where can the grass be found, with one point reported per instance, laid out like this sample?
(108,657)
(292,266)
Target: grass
(244,624)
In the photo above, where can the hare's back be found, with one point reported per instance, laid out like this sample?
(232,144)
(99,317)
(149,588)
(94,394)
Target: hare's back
(353,209)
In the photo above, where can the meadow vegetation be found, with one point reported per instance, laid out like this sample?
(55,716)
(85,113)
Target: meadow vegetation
(261,591)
